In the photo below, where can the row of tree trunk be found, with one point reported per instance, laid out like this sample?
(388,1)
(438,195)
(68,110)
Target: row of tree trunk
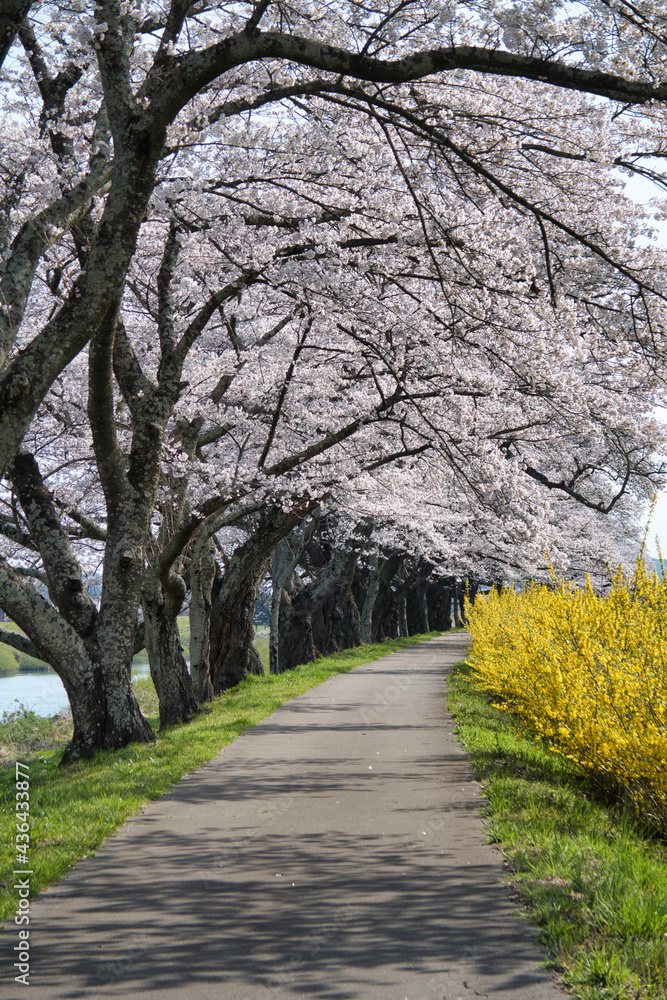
(325,597)
(329,600)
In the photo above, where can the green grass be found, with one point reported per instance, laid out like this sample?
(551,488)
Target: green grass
(594,881)
(74,808)
(24,735)
(183,622)
(22,662)
(262,645)
(9,663)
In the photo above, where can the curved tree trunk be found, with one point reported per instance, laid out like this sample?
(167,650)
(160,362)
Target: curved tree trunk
(347,631)
(233,655)
(113,718)
(416,611)
(336,623)
(370,594)
(274,655)
(102,722)
(296,643)
(378,597)
(91,652)
(285,559)
(95,672)
(439,603)
(283,564)
(169,671)
(401,607)
(388,613)
(89,716)
(316,614)
(63,573)
(416,607)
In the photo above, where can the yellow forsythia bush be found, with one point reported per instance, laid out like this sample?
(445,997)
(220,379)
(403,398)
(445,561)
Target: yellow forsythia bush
(586,672)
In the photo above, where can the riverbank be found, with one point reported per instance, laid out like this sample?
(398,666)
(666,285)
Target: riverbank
(34,687)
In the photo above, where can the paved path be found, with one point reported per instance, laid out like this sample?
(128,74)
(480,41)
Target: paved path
(333,852)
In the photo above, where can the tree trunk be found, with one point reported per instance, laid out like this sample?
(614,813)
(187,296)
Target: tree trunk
(416,610)
(296,643)
(286,557)
(233,655)
(378,597)
(85,691)
(388,611)
(316,613)
(336,623)
(202,574)
(283,564)
(96,671)
(368,605)
(274,655)
(347,633)
(100,722)
(106,714)
(439,603)
(169,671)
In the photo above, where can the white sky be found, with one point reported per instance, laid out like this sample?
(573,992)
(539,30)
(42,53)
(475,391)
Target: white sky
(659,526)
(643,191)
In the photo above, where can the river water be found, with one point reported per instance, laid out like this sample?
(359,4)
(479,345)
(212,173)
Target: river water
(44,694)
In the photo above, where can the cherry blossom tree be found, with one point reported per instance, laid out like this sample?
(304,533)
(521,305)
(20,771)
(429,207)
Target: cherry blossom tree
(365,237)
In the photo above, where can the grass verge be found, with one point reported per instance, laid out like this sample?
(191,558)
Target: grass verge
(593,879)
(72,810)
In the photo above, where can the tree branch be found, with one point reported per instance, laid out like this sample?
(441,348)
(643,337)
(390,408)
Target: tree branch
(12,13)
(283,392)
(19,642)
(33,240)
(63,572)
(190,73)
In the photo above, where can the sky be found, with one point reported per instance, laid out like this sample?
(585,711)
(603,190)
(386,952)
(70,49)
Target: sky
(642,191)
(659,526)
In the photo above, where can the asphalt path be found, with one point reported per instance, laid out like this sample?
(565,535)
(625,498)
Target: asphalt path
(335,851)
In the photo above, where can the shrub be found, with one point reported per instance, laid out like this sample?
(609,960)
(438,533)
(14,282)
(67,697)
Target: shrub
(587,673)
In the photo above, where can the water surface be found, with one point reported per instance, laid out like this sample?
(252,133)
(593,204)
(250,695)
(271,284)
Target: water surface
(44,694)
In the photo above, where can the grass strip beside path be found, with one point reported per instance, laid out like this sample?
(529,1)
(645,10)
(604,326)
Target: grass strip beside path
(73,809)
(594,881)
